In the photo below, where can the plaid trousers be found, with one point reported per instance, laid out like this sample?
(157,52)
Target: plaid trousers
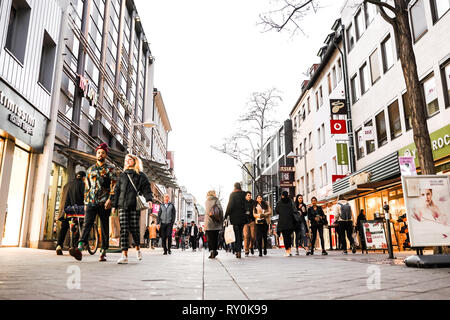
(129,222)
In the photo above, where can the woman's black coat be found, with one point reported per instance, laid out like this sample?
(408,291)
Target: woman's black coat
(319,212)
(285,210)
(125,194)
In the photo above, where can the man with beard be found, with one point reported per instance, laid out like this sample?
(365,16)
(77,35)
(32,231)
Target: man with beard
(99,188)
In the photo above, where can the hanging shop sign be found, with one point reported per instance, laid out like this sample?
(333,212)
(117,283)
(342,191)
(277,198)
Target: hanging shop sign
(20,119)
(342,153)
(338,126)
(287,169)
(337,177)
(88,90)
(338,107)
(440,143)
(287,180)
(407,166)
(427,199)
(360,178)
(374,235)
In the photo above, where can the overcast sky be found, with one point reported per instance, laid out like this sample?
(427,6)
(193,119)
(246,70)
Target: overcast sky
(210,57)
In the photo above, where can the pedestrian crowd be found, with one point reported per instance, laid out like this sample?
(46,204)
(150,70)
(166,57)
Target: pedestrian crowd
(243,226)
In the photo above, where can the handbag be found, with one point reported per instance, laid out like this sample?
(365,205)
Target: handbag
(216,214)
(141,203)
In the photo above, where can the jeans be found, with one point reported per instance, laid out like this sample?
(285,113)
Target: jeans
(213,237)
(314,229)
(183,243)
(346,227)
(238,236)
(89,219)
(166,236)
(261,236)
(249,236)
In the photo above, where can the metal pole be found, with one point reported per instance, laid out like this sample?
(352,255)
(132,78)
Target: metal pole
(388,225)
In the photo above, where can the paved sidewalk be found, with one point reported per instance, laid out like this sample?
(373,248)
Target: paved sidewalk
(41,274)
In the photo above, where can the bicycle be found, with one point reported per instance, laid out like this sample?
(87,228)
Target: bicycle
(76,215)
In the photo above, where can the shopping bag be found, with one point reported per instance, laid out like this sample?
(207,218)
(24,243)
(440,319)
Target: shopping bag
(229,234)
(355,238)
(114,227)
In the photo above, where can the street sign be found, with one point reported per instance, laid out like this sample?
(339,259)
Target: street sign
(338,126)
(342,153)
(338,106)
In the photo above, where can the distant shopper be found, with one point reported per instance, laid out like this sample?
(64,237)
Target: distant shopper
(285,209)
(213,222)
(177,238)
(249,228)
(200,238)
(262,213)
(317,219)
(147,237)
(301,228)
(166,219)
(344,218)
(132,181)
(193,233)
(236,211)
(73,197)
(98,195)
(153,234)
(360,229)
(182,234)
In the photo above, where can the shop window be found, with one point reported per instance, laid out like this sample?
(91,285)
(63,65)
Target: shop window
(359,24)
(439,8)
(418,20)
(19,20)
(364,78)
(370,144)
(381,129)
(387,54)
(394,120)
(47,62)
(370,11)
(350,38)
(354,87)
(430,93)
(359,144)
(407,112)
(375,66)
(445,74)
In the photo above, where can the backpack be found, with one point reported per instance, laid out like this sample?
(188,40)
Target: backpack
(346,212)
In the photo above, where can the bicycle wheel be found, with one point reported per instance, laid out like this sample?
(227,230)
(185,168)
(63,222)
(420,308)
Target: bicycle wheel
(93,240)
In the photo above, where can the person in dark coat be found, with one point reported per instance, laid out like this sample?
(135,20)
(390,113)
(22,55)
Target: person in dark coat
(166,219)
(301,228)
(360,229)
(193,234)
(238,218)
(130,182)
(182,234)
(286,222)
(72,195)
(318,219)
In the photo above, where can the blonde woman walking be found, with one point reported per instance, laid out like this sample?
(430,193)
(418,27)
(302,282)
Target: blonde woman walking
(213,222)
(131,182)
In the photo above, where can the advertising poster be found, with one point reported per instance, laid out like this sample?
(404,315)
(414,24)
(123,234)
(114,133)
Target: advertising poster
(375,235)
(407,166)
(427,201)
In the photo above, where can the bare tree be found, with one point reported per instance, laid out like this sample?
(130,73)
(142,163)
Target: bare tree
(396,13)
(253,132)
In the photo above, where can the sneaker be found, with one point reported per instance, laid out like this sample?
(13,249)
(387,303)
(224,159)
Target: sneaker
(76,253)
(80,246)
(345,252)
(353,249)
(246,254)
(165,253)
(252,251)
(123,260)
(170,252)
(324,253)
(59,251)
(265,252)
(287,254)
(139,255)
(102,257)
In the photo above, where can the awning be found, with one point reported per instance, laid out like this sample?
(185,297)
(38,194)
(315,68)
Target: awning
(156,172)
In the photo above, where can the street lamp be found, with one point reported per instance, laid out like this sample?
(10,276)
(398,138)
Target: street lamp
(147,124)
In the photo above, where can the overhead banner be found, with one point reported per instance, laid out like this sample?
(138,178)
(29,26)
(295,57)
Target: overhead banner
(374,235)
(342,154)
(338,107)
(407,166)
(427,201)
(338,126)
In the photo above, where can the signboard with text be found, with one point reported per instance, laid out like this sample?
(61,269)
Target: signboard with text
(342,153)
(338,107)
(374,235)
(338,126)
(407,166)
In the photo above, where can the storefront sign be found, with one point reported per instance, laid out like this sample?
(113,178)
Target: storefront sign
(374,235)
(440,143)
(287,169)
(407,166)
(368,134)
(287,180)
(427,201)
(20,119)
(338,126)
(360,178)
(342,153)
(337,177)
(338,106)
(88,90)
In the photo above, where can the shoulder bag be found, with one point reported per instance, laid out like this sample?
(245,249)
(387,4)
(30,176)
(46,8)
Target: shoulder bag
(141,203)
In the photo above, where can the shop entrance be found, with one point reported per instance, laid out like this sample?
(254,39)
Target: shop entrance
(16,197)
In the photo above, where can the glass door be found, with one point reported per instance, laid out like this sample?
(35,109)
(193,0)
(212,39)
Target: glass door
(16,197)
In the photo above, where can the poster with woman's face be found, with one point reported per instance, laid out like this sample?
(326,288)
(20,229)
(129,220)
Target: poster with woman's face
(427,200)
